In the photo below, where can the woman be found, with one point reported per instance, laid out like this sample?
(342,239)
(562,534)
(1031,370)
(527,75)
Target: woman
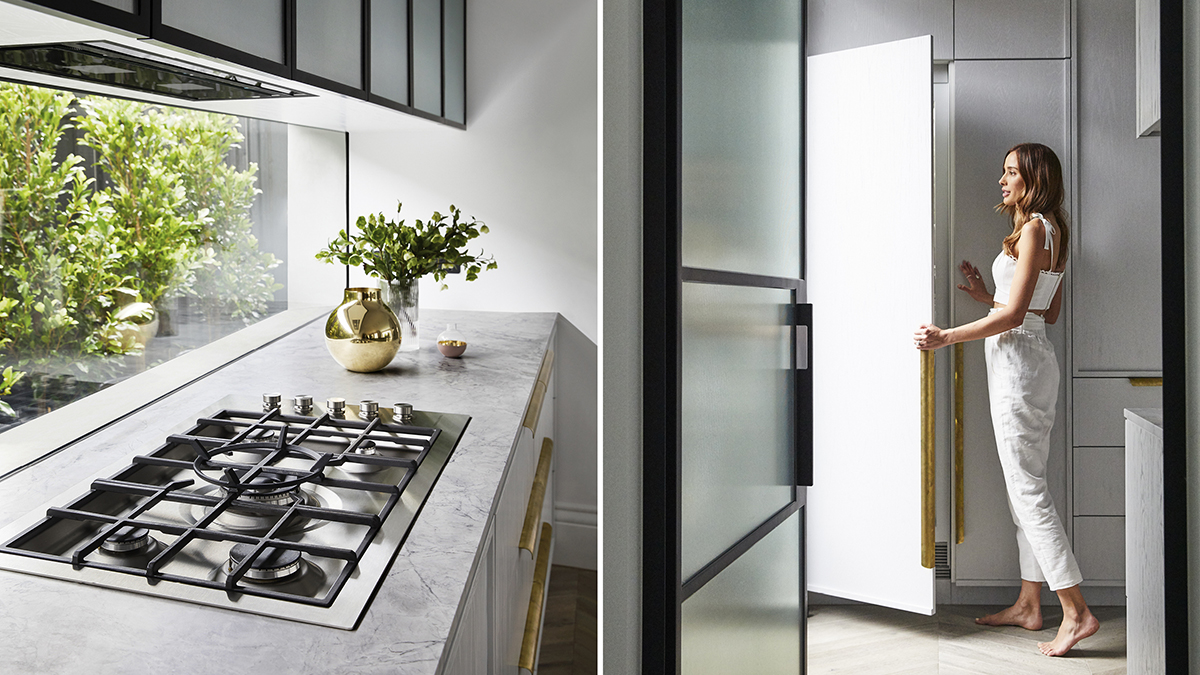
(1023,384)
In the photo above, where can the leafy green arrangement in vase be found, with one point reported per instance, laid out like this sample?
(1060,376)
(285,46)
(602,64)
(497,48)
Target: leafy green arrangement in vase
(400,254)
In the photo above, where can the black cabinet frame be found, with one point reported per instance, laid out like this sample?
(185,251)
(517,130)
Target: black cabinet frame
(147,22)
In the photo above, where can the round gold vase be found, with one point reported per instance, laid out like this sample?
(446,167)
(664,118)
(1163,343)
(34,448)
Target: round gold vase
(362,334)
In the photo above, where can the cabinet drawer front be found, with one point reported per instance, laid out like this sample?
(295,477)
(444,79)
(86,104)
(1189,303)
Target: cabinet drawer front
(1100,548)
(1099,481)
(1099,408)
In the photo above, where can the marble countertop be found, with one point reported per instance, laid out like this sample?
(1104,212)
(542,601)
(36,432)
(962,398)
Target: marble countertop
(1150,419)
(51,626)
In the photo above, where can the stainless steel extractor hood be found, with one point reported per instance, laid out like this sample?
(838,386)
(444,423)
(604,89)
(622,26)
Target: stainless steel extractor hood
(122,66)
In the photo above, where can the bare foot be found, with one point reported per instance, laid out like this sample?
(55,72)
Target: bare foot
(1028,617)
(1069,634)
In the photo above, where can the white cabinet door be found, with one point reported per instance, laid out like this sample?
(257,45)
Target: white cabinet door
(869,238)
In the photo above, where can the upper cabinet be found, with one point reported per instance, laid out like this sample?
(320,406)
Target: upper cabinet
(329,43)
(251,32)
(129,15)
(390,51)
(409,55)
(1012,29)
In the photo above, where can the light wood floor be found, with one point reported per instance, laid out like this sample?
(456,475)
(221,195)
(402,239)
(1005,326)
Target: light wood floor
(569,632)
(868,640)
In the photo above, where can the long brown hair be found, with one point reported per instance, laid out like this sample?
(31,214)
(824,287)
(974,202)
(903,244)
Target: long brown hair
(1042,172)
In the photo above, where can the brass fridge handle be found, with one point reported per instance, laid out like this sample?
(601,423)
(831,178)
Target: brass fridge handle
(928,419)
(533,620)
(960,500)
(1146,381)
(537,497)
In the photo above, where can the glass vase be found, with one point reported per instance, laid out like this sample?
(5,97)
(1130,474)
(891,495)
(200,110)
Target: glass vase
(401,296)
(452,343)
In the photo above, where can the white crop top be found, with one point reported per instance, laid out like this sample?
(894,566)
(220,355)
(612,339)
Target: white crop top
(1005,266)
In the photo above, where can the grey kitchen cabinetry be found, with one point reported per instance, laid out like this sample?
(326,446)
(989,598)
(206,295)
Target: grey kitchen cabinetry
(506,588)
(997,104)
(1012,29)
(1099,458)
(1116,294)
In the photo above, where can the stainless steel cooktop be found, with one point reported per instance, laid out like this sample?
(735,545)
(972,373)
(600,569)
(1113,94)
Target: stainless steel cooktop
(285,508)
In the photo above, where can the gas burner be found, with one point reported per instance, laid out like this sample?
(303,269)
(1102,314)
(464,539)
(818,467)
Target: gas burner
(252,500)
(231,479)
(272,565)
(265,489)
(128,540)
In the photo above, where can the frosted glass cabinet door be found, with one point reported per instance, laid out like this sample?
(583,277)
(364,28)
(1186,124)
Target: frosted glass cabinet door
(427,55)
(741,136)
(389,49)
(252,26)
(737,459)
(329,40)
(454,45)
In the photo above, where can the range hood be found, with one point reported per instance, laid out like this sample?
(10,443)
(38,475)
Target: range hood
(121,66)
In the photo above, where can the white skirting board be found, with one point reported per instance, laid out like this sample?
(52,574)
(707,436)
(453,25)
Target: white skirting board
(575,535)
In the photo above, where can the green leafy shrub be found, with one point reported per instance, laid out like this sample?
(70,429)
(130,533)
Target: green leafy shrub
(166,215)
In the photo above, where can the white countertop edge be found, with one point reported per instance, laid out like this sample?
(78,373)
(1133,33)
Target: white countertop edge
(36,438)
(1150,419)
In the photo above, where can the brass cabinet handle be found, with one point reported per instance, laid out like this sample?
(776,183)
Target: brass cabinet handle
(928,418)
(533,620)
(960,501)
(534,411)
(1146,381)
(547,366)
(537,497)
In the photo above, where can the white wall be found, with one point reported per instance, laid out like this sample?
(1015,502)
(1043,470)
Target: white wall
(316,211)
(526,164)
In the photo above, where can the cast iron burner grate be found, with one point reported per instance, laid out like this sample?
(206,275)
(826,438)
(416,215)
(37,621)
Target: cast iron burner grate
(351,473)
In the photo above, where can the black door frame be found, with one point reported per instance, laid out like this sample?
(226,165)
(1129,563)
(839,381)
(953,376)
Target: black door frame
(1174,335)
(663,587)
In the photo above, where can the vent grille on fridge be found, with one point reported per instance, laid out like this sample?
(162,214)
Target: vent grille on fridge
(941,560)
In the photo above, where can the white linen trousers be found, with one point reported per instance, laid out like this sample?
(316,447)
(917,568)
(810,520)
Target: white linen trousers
(1023,390)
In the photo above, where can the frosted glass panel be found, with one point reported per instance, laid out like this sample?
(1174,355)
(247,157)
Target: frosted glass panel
(455,71)
(329,39)
(427,56)
(252,26)
(737,447)
(747,619)
(389,49)
(741,136)
(130,6)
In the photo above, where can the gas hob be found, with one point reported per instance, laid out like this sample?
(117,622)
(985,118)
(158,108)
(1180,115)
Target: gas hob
(285,508)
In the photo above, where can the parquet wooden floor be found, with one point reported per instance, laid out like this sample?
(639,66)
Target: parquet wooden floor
(868,640)
(569,633)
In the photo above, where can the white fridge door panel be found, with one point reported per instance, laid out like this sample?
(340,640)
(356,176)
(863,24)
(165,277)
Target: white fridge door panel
(869,237)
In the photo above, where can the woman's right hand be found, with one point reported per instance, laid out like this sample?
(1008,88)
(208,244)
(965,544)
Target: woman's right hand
(974,287)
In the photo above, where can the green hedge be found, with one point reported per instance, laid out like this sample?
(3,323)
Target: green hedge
(168,217)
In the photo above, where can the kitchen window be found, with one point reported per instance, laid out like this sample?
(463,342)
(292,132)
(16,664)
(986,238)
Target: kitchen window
(130,234)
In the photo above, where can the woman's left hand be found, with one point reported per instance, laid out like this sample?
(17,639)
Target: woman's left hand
(929,336)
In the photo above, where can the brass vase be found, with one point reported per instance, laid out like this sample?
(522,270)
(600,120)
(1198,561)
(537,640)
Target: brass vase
(362,334)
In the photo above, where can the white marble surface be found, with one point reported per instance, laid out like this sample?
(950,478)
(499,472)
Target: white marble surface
(1150,419)
(50,626)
